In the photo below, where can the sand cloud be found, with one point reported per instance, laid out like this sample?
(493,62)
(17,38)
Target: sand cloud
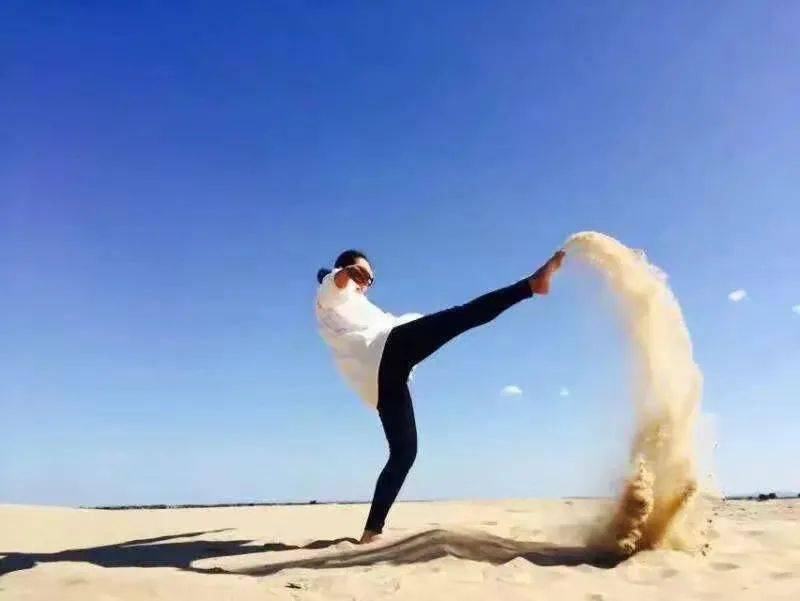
(659,505)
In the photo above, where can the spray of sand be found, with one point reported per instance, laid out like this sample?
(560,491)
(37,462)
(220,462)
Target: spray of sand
(659,505)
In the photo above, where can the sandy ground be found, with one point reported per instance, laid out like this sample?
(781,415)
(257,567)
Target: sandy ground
(525,549)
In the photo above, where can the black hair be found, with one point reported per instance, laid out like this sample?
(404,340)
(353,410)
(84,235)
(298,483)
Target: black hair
(345,259)
(349,257)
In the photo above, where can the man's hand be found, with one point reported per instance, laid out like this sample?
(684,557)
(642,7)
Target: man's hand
(360,275)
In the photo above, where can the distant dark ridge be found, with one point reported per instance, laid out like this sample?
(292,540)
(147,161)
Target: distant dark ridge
(752,497)
(261,504)
(763,496)
(212,505)
(255,504)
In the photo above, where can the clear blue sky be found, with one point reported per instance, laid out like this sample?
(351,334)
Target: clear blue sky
(172,178)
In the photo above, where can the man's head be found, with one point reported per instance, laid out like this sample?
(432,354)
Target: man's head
(352,259)
(356,258)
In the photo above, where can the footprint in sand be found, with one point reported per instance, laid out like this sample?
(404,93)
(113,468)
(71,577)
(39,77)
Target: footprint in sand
(754,532)
(783,575)
(520,532)
(725,566)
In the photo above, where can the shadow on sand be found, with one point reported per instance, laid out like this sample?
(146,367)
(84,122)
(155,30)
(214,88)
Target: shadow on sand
(433,544)
(159,552)
(164,551)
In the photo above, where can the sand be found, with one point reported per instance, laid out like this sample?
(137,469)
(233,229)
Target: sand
(663,503)
(520,549)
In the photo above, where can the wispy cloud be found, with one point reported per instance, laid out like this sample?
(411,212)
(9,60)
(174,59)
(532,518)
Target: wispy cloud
(564,391)
(796,309)
(511,390)
(738,295)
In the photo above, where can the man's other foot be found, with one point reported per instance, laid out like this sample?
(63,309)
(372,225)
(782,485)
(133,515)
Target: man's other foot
(368,537)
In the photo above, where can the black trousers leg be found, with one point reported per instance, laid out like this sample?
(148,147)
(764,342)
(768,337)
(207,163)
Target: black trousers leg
(406,346)
(418,339)
(397,416)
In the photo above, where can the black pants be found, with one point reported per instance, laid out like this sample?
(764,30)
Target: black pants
(407,345)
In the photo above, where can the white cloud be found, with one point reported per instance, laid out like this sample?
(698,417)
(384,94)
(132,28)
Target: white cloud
(738,295)
(564,391)
(796,309)
(511,390)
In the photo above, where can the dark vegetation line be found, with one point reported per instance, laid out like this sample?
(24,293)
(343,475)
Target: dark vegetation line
(753,497)
(210,505)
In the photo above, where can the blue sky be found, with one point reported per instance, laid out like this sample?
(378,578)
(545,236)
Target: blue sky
(171,178)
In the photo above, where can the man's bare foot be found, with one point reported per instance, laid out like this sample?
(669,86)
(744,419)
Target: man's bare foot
(367,537)
(540,281)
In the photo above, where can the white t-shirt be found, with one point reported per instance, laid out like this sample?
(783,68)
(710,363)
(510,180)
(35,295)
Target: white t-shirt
(356,330)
